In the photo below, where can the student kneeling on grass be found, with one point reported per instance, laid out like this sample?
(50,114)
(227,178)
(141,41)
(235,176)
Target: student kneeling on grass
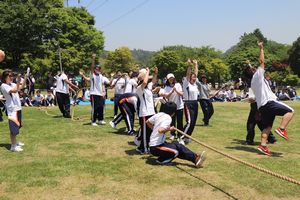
(166,152)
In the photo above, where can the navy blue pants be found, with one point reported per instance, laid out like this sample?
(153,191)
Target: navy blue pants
(97,103)
(207,109)
(191,114)
(166,151)
(63,101)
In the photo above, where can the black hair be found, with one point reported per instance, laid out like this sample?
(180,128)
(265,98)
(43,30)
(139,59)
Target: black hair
(168,83)
(134,74)
(168,108)
(5,74)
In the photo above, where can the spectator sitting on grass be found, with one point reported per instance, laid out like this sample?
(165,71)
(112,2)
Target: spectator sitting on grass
(39,99)
(49,98)
(25,100)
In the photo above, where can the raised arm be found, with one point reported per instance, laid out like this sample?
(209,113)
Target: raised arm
(154,79)
(93,63)
(261,55)
(195,62)
(145,81)
(83,76)
(189,70)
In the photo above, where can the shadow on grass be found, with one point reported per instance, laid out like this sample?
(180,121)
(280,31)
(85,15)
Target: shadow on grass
(132,152)
(57,116)
(208,183)
(253,150)
(151,160)
(5,145)
(121,131)
(243,142)
(131,143)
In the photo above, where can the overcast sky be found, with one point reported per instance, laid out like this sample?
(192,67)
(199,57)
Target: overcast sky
(218,23)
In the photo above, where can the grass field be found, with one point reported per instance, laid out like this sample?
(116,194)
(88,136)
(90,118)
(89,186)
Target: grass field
(65,159)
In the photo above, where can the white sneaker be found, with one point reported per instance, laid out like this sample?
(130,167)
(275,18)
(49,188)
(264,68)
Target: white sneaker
(20,144)
(181,141)
(200,159)
(136,141)
(16,148)
(101,122)
(172,138)
(94,124)
(112,124)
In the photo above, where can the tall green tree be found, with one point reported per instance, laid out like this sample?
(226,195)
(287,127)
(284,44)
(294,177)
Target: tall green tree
(120,59)
(294,57)
(33,30)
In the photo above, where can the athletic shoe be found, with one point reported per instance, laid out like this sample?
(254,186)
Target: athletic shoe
(131,132)
(142,152)
(102,122)
(200,159)
(94,124)
(265,150)
(249,142)
(136,141)
(282,133)
(16,148)
(20,144)
(181,141)
(187,140)
(112,124)
(164,162)
(172,138)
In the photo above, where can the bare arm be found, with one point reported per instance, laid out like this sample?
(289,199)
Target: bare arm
(164,130)
(167,95)
(261,55)
(154,80)
(149,124)
(179,93)
(19,86)
(145,81)
(196,67)
(71,84)
(85,77)
(189,70)
(93,63)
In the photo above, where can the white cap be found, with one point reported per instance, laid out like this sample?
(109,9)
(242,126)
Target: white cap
(142,74)
(170,76)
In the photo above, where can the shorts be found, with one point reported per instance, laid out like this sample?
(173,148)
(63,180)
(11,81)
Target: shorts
(272,109)
(15,122)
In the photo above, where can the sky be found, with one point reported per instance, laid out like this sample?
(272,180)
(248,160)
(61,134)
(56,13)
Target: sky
(217,23)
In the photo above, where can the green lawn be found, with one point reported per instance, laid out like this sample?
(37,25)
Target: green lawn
(65,159)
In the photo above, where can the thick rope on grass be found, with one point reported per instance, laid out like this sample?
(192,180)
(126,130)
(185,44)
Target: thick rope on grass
(241,161)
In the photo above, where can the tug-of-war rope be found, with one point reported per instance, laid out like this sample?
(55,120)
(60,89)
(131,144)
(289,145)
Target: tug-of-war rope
(241,161)
(86,117)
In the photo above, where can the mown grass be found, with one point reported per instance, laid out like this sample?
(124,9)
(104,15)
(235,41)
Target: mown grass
(66,159)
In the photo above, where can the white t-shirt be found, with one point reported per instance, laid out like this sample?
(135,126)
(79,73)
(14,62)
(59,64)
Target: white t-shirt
(190,91)
(39,98)
(159,120)
(119,84)
(61,85)
(97,85)
(146,100)
(261,88)
(174,97)
(131,86)
(12,102)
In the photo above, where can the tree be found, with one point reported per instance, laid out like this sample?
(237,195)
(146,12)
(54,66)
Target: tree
(246,49)
(215,70)
(120,59)
(294,57)
(168,61)
(33,30)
